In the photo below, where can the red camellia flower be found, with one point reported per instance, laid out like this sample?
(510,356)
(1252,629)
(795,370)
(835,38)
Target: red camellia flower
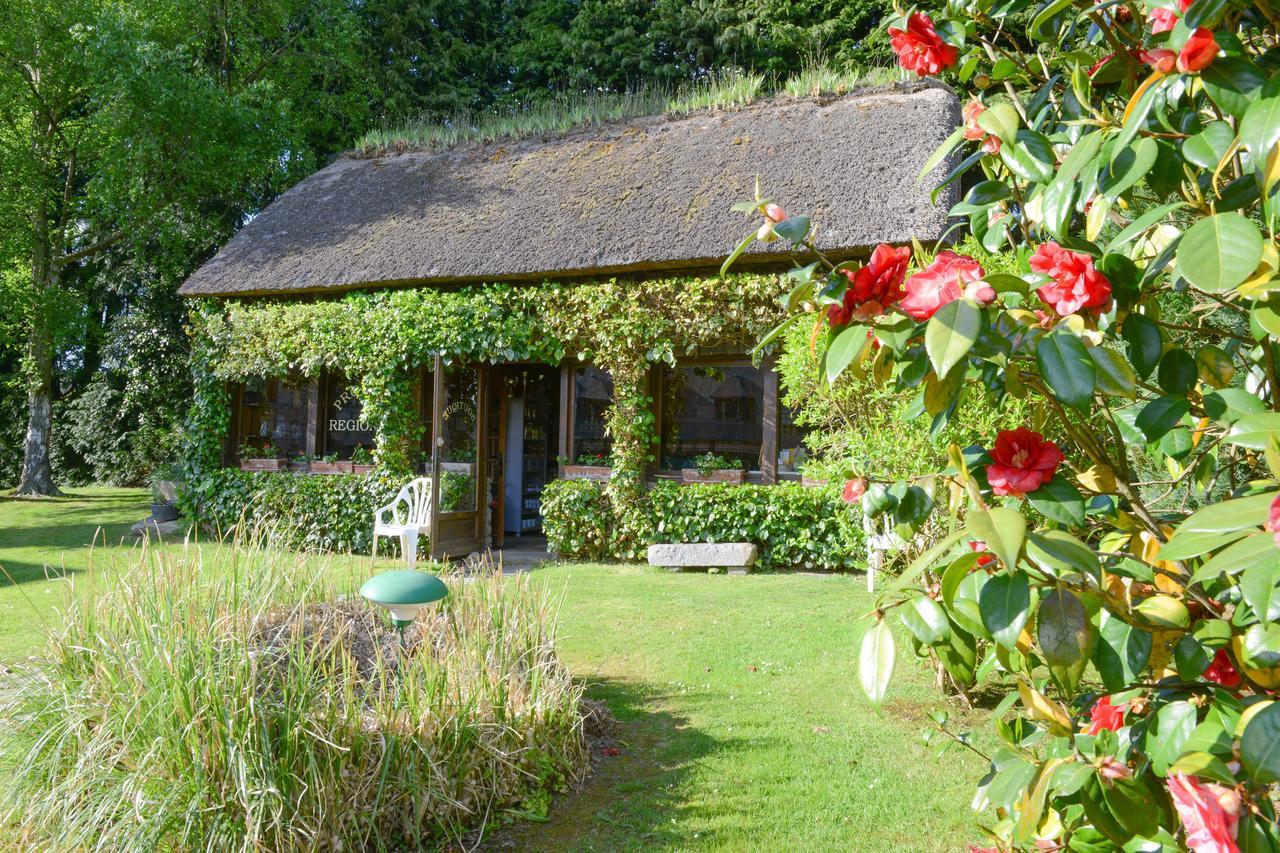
(1022,461)
(919,48)
(853,490)
(1162,19)
(1160,59)
(949,277)
(1076,284)
(1105,716)
(1199,51)
(1222,671)
(1210,813)
(1273,520)
(877,286)
(990,142)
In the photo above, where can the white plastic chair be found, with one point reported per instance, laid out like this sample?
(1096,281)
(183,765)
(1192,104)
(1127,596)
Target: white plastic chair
(410,516)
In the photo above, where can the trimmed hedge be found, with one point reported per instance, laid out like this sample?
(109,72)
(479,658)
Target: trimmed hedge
(795,527)
(333,512)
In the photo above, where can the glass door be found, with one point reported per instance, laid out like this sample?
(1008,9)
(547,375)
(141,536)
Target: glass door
(458,484)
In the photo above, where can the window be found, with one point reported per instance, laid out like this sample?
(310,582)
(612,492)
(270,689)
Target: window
(592,397)
(712,409)
(273,414)
(791,448)
(342,420)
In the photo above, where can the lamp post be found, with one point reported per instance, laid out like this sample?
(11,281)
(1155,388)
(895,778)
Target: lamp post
(403,593)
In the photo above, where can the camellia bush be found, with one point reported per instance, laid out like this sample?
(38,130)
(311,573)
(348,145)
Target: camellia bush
(1114,562)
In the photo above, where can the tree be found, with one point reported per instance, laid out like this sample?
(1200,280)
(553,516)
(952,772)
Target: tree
(131,123)
(1114,564)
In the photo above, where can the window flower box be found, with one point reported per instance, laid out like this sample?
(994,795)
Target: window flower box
(264,464)
(600,473)
(360,468)
(811,482)
(319,466)
(734,477)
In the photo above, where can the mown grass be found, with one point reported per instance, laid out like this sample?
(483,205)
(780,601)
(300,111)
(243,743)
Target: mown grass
(741,722)
(570,111)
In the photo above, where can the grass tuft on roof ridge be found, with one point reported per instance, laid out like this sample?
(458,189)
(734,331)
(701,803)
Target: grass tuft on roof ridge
(569,111)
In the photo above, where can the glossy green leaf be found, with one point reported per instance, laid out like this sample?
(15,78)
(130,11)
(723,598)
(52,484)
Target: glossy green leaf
(1030,157)
(1065,364)
(925,620)
(950,334)
(1177,372)
(1207,147)
(1058,500)
(1006,606)
(793,228)
(1161,415)
(1121,653)
(1145,344)
(1253,431)
(844,350)
(1174,724)
(1065,636)
(1112,376)
(1260,746)
(1058,552)
(1233,83)
(1260,133)
(1257,550)
(1129,167)
(1260,582)
(876,660)
(1219,252)
(1003,529)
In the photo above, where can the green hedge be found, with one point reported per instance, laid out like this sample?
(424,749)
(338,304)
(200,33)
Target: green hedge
(795,527)
(333,512)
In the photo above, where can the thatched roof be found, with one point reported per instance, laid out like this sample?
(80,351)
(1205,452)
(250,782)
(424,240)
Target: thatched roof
(637,196)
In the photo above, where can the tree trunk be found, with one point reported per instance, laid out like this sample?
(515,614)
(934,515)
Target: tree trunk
(37,474)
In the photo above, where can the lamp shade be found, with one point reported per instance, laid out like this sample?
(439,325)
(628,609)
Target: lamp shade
(403,592)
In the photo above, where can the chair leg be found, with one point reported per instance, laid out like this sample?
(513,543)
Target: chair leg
(375,547)
(409,544)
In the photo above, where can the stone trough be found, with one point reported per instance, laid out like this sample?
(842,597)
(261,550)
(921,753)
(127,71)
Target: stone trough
(735,557)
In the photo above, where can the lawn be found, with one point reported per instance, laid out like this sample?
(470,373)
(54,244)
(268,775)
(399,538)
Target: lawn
(740,716)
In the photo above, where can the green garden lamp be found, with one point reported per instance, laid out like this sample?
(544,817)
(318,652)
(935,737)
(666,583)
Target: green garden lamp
(403,593)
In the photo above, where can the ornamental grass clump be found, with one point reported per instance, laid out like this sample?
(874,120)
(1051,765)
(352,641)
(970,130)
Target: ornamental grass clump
(223,699)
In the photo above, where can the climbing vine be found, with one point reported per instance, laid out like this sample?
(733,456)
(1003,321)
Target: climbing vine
(378,339)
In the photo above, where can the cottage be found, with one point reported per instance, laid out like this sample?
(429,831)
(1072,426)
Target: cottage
(494,313)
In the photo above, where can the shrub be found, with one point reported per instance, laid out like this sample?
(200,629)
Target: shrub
(222,699)
(795,527)
(1118,550)
(329,513)
(576,517)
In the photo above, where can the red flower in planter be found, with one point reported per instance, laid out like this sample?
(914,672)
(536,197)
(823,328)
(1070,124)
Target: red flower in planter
(1222,671)
(949,277)
(874,288)
(1021,462)
(853,490)
(1273,520)
(990,142)
(1077,285)
(919,48)
(1105,716)
(1210,813)
(1199,51)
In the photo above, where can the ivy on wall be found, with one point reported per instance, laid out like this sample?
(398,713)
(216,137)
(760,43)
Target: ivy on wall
(378,339)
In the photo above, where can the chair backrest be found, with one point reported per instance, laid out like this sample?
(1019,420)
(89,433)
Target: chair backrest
(417,495)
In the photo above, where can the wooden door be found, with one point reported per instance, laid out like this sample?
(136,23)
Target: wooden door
(459,465)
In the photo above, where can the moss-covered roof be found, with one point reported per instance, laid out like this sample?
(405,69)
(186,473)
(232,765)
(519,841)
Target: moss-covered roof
(638,196)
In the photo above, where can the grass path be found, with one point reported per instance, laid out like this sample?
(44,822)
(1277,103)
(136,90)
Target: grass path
(741,720)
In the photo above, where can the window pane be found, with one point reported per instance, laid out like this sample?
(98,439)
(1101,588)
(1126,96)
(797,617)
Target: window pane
(345,428)
(791,449)
(458,453)
(713,409)
(593,395)
(273,416)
